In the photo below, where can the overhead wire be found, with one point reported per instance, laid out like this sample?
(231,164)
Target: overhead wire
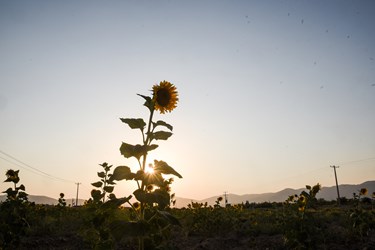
(34,170)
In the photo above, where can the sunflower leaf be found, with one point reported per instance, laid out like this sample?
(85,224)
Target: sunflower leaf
(149,103)
(160,135)
(163,123)
(109,189)
(134,123)
(97,184)
(101,174)
(164,168)
(136,151)
(121,173)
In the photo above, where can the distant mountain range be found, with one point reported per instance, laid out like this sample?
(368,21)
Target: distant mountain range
(40,199)
(327,193)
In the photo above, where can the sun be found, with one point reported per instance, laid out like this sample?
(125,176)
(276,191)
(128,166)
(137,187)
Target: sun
(149,169)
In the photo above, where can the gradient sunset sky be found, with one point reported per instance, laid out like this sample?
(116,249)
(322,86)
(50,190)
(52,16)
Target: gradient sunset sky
(272,93)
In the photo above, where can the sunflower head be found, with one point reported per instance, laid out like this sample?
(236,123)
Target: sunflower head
(363,191)
(165,96)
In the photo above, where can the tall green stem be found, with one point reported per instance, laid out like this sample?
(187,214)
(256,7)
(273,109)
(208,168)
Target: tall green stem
(143,166)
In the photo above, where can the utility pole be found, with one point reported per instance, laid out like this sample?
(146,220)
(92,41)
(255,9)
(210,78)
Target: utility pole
(337,184)
(226,198)
(77,193)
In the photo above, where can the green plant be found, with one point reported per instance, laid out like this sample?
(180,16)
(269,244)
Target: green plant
(13,213)
(61,201)
(363,220)
(300,227)
(101,211)
(153,190)
(105,183)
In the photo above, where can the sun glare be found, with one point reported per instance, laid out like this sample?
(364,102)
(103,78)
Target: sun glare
(149,169)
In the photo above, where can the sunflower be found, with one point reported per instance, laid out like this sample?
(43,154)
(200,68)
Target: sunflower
(165,97)
(363,191)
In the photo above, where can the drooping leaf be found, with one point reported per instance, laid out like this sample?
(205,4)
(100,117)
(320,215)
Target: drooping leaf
(136,151)
(97,184)
(164,168)
(163,123)
(308,187)
(22,187)
(148,102)
(134,123)
(121,173)
(170,218)
(109,189)
(101,174)
(116,202)
(160,135)
(122,228)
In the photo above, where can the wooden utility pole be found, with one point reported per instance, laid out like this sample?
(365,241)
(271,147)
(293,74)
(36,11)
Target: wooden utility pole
(226,198)
(77,193)
(337,184)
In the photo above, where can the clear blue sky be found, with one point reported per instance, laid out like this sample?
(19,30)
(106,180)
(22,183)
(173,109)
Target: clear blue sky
(271,92)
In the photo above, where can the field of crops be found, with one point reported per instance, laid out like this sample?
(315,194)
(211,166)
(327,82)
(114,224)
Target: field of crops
(256,226)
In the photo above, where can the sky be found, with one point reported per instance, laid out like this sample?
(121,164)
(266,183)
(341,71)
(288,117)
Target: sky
(272,93)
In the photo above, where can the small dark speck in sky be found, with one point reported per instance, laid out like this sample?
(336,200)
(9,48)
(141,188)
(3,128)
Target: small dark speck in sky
(288,14)
(326,31)
(302,21)
(322,87)
(371,58)
(373,85)
(348,36)
(314,62)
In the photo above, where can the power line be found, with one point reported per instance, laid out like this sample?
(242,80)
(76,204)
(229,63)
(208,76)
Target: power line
(348,162)
(39,172)
(18,165)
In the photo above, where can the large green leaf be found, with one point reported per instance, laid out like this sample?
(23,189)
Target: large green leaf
(109,189)
(163,123)
(142,196)
(97,184)
(160,135)
(164,168)
(121,173)
(136,151)
(134,123)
